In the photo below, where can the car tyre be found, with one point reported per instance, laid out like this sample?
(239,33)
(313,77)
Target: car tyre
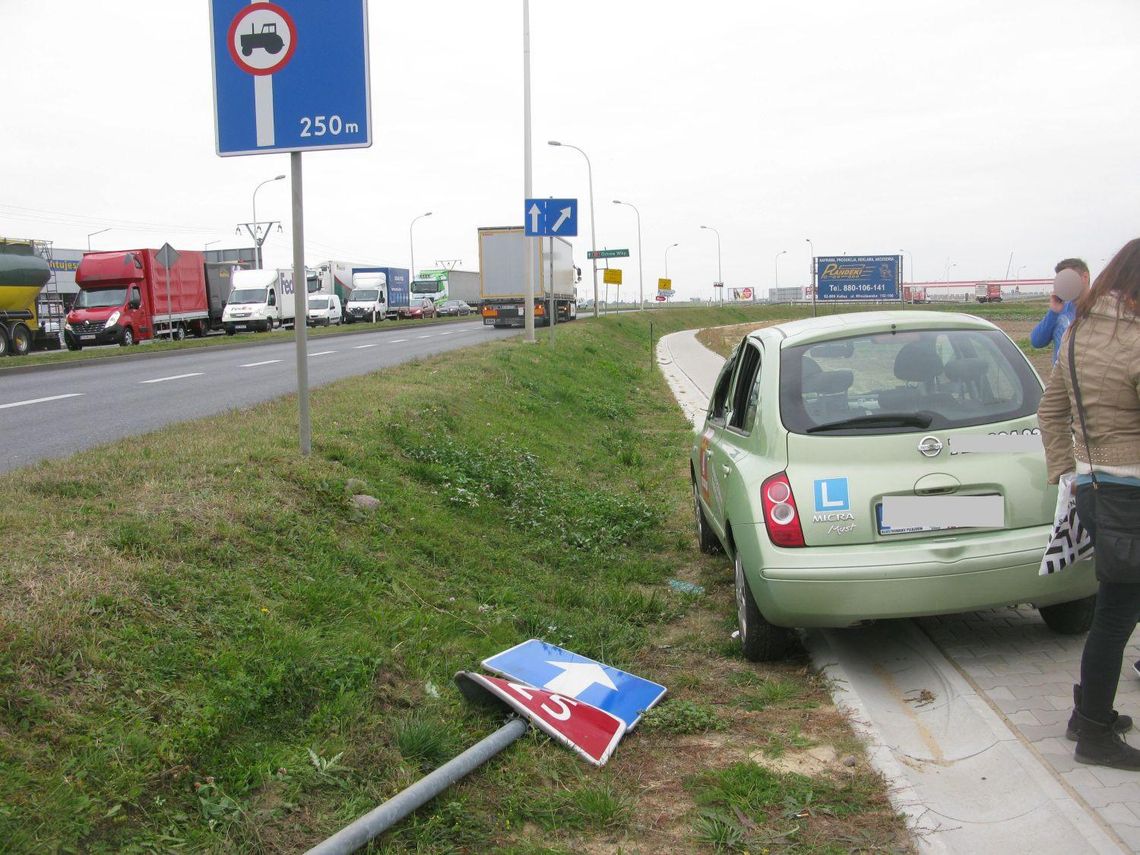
(706,538)
(760,641)
(1072,618)
(128,337)
(21,340)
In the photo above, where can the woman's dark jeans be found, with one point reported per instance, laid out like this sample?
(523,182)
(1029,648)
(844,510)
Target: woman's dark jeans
(1117,611)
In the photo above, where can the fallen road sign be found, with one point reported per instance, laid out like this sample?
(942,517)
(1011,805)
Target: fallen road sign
(573,676)
(591,732)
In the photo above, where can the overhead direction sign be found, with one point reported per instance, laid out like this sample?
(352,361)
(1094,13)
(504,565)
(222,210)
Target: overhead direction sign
(607,253)
(551,218)
(290,75)
(591,732)
(570,675)
(612,276)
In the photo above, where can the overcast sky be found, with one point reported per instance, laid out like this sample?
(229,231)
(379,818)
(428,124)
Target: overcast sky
(961,131)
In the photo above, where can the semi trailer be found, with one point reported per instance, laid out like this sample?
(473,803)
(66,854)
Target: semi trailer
(23,274)
(502,277)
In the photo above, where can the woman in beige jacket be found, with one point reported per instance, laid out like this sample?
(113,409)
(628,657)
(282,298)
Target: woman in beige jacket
(1107,358)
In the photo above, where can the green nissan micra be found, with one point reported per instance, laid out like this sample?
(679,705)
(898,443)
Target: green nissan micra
(879,465)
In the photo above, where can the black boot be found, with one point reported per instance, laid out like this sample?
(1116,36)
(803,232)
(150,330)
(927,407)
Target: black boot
(1120,723)
(1099,745)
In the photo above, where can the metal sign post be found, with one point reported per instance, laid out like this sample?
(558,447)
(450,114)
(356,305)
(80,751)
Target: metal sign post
(168,257)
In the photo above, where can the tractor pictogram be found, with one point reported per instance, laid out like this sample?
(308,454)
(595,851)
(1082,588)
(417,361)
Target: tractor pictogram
(267,39)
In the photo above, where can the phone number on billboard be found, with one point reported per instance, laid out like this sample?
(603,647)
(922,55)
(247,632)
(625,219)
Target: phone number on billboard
(855,288)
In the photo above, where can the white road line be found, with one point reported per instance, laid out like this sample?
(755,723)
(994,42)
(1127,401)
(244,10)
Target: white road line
(175,377)
(423,336)
(397,340)
(362,346)
(447,332)
(255,364)
(322,353)
(42,400)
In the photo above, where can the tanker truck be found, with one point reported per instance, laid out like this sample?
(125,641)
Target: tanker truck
(23,274)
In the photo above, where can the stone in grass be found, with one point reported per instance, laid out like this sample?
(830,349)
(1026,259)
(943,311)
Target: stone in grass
(365,502)
(354,485)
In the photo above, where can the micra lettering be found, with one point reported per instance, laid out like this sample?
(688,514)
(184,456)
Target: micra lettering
(830,518)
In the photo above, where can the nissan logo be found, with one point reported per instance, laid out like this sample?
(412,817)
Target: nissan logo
(930,446)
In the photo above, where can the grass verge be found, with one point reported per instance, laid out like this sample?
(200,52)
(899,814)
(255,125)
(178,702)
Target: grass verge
(206,645)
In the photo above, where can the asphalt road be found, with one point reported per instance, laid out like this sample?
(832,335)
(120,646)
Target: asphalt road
(54,413)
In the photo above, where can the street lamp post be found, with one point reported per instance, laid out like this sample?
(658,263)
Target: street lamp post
(593,241)
(913,278)
(949,264)
(412,248)
(778,254)
(811,274)
(719,276)
(640,282)
(259,238)
(93,235)
(1017,275)
(669,247)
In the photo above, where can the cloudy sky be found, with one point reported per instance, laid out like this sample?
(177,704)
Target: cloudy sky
(961,131)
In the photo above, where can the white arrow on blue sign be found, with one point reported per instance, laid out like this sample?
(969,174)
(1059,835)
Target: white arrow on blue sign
(290,75)
(570,675)
(551,218)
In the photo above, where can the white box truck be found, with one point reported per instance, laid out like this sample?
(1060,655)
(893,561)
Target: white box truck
(369,298)
(259,300)
(502,277)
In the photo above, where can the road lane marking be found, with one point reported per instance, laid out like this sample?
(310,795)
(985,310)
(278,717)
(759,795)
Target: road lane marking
(423,336)
(322,353)
(255,364)
(397,340)
(175,377)
(447,332)
(362,346)
(42,400)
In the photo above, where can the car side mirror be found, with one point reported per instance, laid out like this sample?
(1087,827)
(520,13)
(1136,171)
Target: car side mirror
(135,303)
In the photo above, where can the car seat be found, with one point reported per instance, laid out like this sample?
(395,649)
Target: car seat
(915,363)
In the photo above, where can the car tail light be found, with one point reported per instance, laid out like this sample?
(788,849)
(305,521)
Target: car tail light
(781,517)
(539,310)
(488,312)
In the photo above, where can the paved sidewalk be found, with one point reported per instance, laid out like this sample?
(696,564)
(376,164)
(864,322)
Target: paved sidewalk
(964,714)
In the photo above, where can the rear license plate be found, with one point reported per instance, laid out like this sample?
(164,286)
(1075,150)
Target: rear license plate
(911,514)
(87,338)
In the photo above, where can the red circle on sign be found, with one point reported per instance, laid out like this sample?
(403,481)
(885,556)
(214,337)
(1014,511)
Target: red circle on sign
(746,293)
(240,17)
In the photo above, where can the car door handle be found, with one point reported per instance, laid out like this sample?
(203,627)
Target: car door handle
(725,469)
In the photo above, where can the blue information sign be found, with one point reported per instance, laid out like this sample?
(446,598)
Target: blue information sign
(857,277)
(546,666)
(290,75)
(551,218)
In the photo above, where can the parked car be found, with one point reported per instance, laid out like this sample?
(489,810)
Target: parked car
(424,308)
(324,310)
(453,308)
(879,465)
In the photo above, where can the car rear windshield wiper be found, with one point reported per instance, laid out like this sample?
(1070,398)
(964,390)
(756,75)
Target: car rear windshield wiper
(918,420)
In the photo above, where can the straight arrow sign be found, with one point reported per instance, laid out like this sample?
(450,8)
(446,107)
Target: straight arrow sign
(550,217)
(535,212)
(576,677)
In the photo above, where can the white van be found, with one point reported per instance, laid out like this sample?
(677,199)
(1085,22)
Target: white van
(368,300)
(324,310)
(259,300)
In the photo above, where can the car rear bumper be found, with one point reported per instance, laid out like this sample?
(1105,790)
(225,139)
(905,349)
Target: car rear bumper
(835,587)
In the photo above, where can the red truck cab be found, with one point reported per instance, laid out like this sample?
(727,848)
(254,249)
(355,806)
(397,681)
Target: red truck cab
(127,297)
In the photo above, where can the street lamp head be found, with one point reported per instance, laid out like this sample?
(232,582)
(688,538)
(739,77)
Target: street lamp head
(278,177)
(553,142)
(428,214)
(618,202)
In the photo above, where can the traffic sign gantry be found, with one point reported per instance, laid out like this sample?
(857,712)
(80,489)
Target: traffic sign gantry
(551,218)
(570,675)
(607,253)
(290,75)
(591,732)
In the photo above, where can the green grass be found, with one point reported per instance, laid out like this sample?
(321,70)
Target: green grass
(204,645)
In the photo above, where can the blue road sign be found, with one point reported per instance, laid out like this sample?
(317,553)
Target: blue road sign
(546,666)
(551,218)
(290,75)
(857,277)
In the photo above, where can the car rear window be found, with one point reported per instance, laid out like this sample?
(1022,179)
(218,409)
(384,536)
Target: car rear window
(900,382)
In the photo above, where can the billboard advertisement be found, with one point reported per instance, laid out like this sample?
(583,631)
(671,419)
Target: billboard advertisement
(857,277)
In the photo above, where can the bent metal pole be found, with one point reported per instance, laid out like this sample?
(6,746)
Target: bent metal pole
(380,819)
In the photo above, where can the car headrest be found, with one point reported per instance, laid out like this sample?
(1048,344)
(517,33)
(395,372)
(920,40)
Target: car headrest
(917,363)
(966,368)
(829,382)
(810,368)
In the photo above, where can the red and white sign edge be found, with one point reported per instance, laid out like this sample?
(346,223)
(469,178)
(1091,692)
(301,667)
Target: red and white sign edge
(502,691)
